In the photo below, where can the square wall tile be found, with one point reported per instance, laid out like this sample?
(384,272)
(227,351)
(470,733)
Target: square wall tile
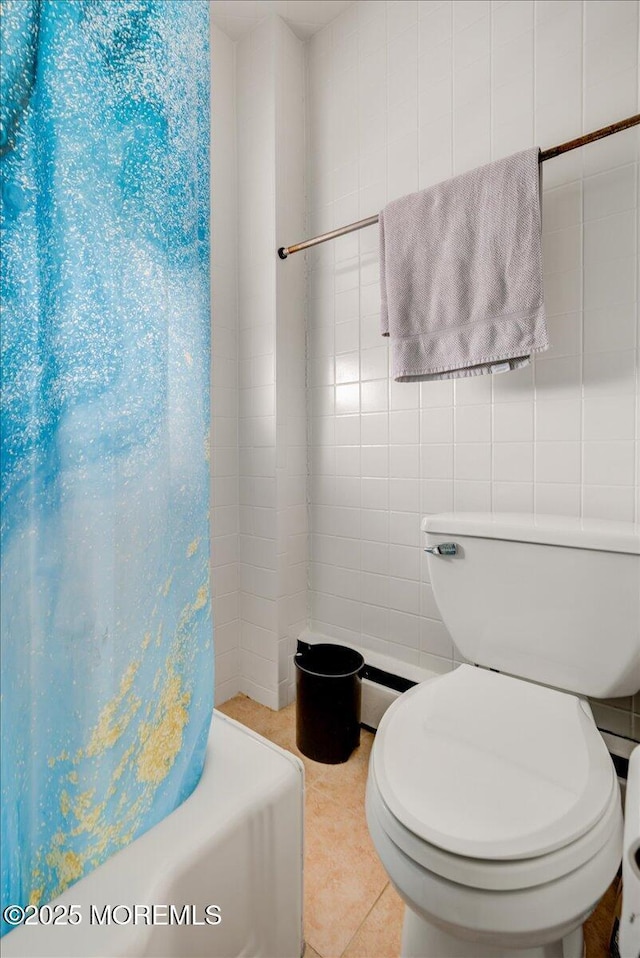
(401,96)
(558,420)
(609,463)
(558,462)
(473,423)
(472,461)
(609,418)
(513,422)
(513,462)
(562,499)
(512,496)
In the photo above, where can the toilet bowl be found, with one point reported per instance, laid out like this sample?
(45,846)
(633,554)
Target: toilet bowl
(492,800)
(511,847)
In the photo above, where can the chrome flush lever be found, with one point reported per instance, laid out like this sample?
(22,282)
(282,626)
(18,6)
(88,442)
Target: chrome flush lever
(443,549)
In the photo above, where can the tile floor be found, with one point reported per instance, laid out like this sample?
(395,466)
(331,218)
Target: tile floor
(351,910)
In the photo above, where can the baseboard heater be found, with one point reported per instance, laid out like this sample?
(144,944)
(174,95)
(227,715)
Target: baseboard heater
(380,689)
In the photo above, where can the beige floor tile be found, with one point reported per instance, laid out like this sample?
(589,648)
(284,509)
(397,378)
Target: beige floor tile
(380,934)
(346,783)
(597,928)
(278,727)
(313,771)
(258,717)
(348,901)
(343,875)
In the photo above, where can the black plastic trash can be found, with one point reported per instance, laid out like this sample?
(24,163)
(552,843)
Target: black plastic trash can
(328,694)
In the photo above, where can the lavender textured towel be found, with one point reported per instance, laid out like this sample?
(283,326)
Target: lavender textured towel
(461,273)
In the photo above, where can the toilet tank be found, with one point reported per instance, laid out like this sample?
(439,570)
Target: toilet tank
(547,598)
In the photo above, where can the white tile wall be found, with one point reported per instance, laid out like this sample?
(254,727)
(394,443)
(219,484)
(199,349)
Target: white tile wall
(224,368)
(402,94)
(272,419)
(291,457)
(256,113)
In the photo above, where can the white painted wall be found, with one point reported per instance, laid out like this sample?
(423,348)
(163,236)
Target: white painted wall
(401,95)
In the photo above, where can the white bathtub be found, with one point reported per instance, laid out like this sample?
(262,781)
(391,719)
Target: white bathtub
(236,843)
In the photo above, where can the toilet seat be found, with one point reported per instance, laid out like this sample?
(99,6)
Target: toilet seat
(480,767)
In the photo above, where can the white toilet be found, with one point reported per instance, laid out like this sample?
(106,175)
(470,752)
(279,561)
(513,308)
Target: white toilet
(492,800)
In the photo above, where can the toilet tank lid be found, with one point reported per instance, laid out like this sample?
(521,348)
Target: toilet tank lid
(599,534)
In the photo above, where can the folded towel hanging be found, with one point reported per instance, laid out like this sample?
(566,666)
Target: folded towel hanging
(461,273)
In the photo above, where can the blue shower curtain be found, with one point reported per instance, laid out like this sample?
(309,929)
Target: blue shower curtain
(106,630)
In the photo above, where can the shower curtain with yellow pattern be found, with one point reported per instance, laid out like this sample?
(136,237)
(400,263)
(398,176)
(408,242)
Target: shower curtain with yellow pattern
(106,629)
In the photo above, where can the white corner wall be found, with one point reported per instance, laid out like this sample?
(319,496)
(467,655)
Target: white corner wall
(291,418)
(401,95)
(224,368)
(257,369)
(272,419)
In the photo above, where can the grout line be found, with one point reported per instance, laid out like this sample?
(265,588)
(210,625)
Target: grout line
(377,900)
(454,389)
(581,354)
(636,721)
(534,463)
(307,324)
(492,446)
